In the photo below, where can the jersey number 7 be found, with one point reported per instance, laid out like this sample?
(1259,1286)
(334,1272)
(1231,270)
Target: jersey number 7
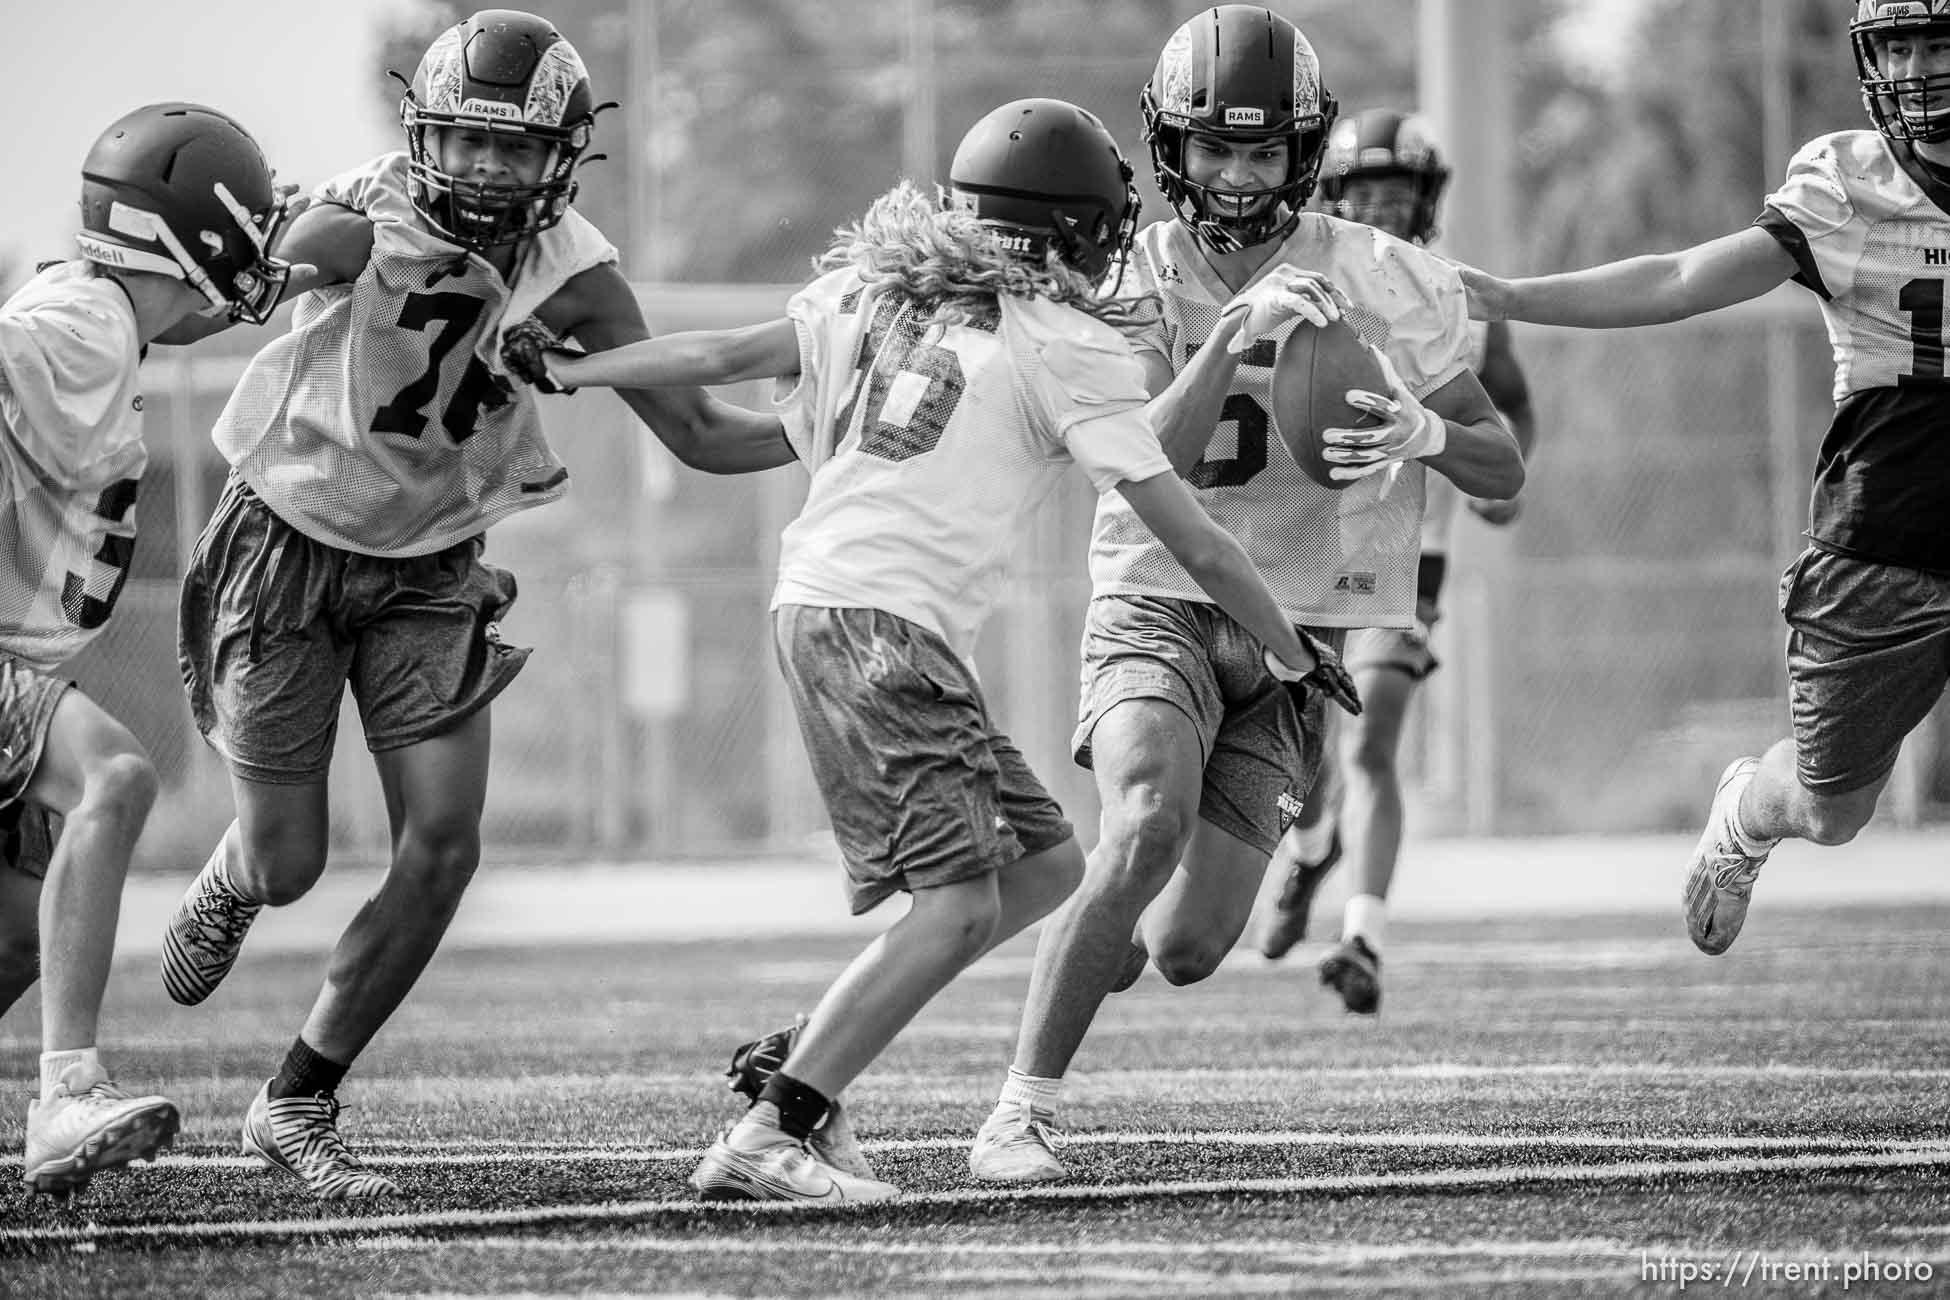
(405,414)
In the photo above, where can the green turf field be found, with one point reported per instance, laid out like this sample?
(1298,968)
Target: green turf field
(1551,1106)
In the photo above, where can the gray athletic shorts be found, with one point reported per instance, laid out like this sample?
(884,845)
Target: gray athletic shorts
(1257,752)
(1868,657)
(274,626)
(922,790)
(27,702)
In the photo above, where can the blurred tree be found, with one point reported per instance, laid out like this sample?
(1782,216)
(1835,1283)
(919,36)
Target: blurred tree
(1655,142)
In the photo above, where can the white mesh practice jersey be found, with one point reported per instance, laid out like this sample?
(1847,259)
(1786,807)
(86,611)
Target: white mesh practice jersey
(1445,498)
(1333,559)
(71,451)
(379,424)
(1878,245)
(929,446)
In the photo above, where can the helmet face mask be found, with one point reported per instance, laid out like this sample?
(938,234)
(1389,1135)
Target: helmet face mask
(1047,177)
(1379,145)
(1914,107)
(183,191)
(1243,75)
(500,73)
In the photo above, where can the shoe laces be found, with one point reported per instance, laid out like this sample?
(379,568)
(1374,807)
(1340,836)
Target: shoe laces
(322,1140)
(221,916)
(1036,1126)
(1735,872)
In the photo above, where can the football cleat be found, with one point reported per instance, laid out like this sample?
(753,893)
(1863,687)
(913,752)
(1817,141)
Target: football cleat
(72,1136)
(1017,1144)
(1288,924)
(1353,970)
(752,1066)
(300,1135)
(205,934)
(1721,882)
(1132,969)
(768,1165)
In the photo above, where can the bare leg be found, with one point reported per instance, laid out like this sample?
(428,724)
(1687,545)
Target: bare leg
(435,792)
(1148,773)
(1775,805)
(20,935)
(1204,908)
(95,774)
(1372,811)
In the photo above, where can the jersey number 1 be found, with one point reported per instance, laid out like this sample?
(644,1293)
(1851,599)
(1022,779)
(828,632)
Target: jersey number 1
(1923,300)
(405,413)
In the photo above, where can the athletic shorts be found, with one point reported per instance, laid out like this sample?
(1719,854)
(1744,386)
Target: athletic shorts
(27,702)
(921,788)
(1257,750)
(274,626)
(1868,657)
(1403,649)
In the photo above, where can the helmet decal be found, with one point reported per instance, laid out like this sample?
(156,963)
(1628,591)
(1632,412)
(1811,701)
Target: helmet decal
(443,71)
(1174,75)
(1306,75)
(554,80)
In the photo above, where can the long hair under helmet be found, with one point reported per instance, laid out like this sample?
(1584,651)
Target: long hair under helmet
(503,72)
(1246,75)
(1047,176)
(1385,142)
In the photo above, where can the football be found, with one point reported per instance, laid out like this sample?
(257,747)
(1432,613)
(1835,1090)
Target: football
(1315,368)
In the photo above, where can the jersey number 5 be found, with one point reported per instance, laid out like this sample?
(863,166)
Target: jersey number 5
(1923,300)
(405,414)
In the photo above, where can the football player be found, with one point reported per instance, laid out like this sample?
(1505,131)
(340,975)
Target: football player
(1197,749)
(953,361)
(1385,169)
(177,209)
(1859,222)
(370,447)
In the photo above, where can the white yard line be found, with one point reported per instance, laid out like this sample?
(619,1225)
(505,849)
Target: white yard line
(1933,1155)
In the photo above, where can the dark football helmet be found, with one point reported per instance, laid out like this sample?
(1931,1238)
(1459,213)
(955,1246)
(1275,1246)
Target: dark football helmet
(182,190)
(1384,142)
(1047,175)
(1246,75)
(503,72)
(1878,21)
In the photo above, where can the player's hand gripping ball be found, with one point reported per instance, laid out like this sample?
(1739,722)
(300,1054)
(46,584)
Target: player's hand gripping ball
(525,346)
(1316,369)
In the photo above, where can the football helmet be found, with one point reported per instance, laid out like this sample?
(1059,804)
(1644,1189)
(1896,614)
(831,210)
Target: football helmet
(1901,107)
(1384,142)
(1046,175)
(1244,74)
(182,190)
(502,72)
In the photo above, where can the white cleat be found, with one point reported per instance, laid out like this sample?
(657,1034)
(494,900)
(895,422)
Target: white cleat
(72,1136)
(772,1166)
(1017,1145)
(834,1144)
(1721,882)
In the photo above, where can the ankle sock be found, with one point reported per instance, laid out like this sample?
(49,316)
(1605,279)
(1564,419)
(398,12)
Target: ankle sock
(1037,1094)
(800,1106)
(56,1064)
(306,1074)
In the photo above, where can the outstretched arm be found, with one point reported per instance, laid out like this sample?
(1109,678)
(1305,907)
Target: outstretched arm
(326,243)
(1650,290)
(598,309)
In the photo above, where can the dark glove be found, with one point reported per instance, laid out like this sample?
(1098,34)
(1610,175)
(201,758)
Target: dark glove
(1328,677)
(754,1064)
(525,346)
